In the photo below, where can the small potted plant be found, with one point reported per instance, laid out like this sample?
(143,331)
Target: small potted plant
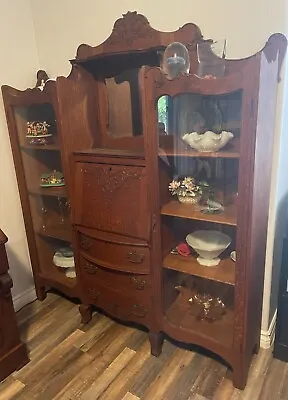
(186,190)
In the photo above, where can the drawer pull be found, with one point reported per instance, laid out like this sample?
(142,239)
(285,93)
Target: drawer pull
(90,268)
(86,243)
(135,257)
(139,311)
(138,283)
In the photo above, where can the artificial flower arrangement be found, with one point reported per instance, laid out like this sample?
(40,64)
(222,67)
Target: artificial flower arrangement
(186,190)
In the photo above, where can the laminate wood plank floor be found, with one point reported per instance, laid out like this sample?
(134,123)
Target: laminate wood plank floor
(107,360)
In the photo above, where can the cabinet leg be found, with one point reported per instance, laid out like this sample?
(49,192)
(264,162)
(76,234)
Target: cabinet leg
(41,293)
(256,347)
(240,375)
(156,342)
(86,313)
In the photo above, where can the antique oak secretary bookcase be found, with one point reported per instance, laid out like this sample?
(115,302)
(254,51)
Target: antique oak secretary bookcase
(126,223)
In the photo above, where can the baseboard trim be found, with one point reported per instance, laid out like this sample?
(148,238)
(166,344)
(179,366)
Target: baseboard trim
(267,337)
(24,298)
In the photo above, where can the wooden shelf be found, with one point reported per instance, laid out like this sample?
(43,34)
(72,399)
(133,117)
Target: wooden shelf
(176,209)
(52,191)
(57,232)
(59,281)
(180,149)
(45,147)
(224,272)
(179,316)
(192,153)
(59,277)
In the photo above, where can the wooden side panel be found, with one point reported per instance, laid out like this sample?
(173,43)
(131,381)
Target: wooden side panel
(261,194)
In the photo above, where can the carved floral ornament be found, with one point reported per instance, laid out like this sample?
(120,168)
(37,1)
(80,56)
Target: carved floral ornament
(133,29)
(129,28)
(111,180)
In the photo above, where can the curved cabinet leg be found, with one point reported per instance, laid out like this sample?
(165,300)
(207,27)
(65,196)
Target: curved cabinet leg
(86,313)
(156,342)
(40,293)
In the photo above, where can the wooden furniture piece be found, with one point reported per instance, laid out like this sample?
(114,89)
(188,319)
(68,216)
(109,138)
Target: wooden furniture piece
(126,222)
(45,209)
(13,353)
(281,335)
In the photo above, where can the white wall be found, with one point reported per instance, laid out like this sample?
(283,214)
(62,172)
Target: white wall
(19,62)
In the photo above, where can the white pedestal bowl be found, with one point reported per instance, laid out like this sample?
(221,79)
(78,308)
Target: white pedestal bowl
(209,245)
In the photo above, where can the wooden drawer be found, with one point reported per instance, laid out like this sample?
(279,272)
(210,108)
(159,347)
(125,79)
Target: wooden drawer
(119,305)
(136,285)
(112,198)
(118,256)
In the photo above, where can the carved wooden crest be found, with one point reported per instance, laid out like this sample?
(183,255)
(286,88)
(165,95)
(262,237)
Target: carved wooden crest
(133,32)
(130,27)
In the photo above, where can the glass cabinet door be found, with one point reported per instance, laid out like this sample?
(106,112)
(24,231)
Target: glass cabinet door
(199,138)
(49,207)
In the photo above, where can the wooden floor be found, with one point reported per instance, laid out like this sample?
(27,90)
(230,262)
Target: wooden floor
(106,360)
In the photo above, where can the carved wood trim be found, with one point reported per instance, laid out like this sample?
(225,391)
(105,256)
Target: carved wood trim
(130,27)
(31,95)
(133,32)
(276,46)
(3,237)
(42,77)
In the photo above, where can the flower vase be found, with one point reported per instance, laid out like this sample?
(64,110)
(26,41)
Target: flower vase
(189,199)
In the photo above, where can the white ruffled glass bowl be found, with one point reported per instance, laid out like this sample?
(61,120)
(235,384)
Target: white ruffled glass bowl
(208,141)
(209,245)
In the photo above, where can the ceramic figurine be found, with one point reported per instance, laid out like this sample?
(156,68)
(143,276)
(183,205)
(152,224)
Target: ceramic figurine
(38,133)
(52,179)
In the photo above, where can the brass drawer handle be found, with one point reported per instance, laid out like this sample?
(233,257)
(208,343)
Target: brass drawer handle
(86,243)
(135,257)
(138,283)
(90,268)
(139,311)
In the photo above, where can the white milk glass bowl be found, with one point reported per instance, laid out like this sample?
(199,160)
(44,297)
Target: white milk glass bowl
(209,245)
(208,141)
